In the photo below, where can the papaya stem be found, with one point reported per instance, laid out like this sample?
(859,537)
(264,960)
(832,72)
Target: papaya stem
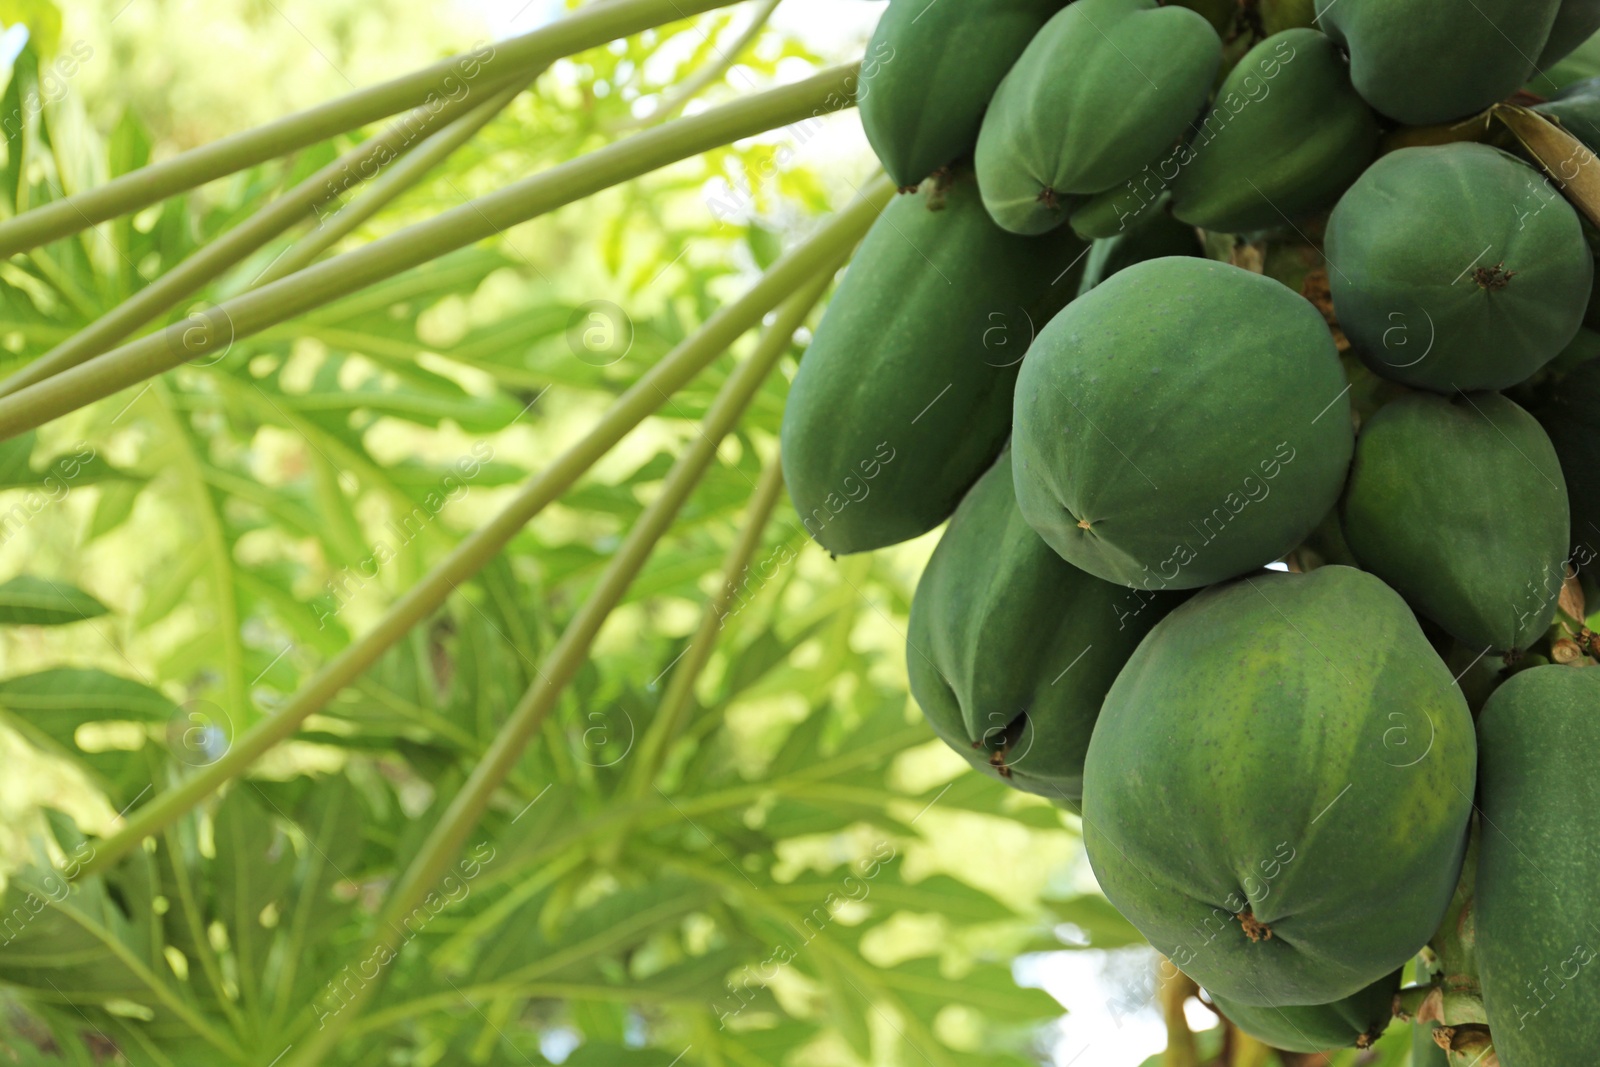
(383,189)
(1175,990)
(822,252)
(488,67)
(561,664)
(1246,1050)
(253,311)
(669,713)
(1411,1004)
(228,250)
(700,79)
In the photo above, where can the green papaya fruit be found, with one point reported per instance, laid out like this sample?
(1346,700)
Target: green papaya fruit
(1155,237)
(1576,22)
(1459,505)
(1280,15)
(1221,14)
(1428,61)
(1277,791)
(1580,64)
(1116,211)
(1585,348)
(1105,87)
(1538,917)
(1326,544)
(1457,268)
(1569,412)
(1011,649)
(1287,135)
(1120,457)
(929,72)
(1354,1022)
(903,399)
(1577,109)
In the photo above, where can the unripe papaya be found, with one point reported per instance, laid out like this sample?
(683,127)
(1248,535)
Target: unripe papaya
(1184,422)
(1287,135)
(1584,348)
(1280,15)
(1457,268)
(904,398)
(1116,211)
(1569,411)
(1155,237)
(1427,61)
(1577,109)
(1354,1022)
(1576,22)
(1538,917)
(1459,505)
(1105,87)
(1011,649)
(929,73)
(1278,788)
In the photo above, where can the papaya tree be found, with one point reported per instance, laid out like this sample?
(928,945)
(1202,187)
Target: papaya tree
(462,647)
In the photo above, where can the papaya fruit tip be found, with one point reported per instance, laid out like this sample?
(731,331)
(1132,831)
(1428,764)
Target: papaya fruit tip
(1493,278)
(1256,930)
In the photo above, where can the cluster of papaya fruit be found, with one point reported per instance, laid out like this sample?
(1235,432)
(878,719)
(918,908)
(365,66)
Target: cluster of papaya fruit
(1246,346)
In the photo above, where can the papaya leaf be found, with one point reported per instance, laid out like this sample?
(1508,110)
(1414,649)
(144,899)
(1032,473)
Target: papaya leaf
(56,702)
(604,1054)
(285,465)
(1100,925)
(24,81)
(113,508)
(42,17)
(29,601)
(16,456)
(990,989)
(93,944)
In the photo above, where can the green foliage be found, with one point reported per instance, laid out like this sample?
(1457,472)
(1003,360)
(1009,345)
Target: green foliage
(26,600)
(188,555)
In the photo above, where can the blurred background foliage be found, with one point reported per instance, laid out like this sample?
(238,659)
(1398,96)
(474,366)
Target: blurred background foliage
(803,876)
